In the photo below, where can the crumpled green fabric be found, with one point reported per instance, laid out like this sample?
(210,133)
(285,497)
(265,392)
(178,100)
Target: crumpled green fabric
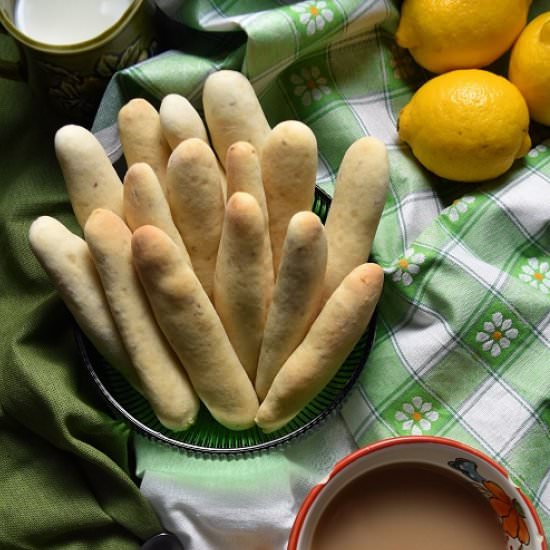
(66,480)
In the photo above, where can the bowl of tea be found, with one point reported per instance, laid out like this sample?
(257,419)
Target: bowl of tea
(418,493)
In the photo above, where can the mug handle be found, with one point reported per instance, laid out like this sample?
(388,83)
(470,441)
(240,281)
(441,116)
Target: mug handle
(13,70)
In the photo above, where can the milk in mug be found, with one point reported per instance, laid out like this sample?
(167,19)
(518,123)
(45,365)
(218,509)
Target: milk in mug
(63,22)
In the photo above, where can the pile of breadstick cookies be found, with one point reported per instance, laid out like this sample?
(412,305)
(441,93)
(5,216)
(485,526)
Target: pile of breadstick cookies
(204,276)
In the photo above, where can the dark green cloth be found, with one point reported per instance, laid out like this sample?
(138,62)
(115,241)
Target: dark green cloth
(65,478)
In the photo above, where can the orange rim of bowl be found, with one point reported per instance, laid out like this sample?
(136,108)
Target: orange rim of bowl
(391,442)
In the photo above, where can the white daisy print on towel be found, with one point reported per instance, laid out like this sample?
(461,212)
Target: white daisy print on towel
(458,207)
(314,15)
(417,416)
(497,334)
(406,267)
(536,274)
(310,85)
(536,151)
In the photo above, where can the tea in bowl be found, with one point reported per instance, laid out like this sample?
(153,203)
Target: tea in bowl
(426,493)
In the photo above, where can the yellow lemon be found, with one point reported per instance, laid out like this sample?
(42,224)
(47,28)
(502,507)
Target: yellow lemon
(460,34)
(466,125)
(530,67)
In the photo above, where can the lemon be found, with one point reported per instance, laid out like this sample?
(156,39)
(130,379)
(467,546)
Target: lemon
(460,34)
(530,67)
(466,125)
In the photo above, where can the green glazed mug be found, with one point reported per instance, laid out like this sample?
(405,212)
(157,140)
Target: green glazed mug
(71,78)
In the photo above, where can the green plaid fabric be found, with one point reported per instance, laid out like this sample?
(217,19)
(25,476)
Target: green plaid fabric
(463,335)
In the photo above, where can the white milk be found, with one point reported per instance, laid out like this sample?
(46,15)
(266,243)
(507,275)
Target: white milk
(62,22)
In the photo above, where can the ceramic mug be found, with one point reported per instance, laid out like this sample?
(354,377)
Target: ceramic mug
(73,77)
(468,464)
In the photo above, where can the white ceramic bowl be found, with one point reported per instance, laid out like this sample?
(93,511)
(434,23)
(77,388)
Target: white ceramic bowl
(465,462)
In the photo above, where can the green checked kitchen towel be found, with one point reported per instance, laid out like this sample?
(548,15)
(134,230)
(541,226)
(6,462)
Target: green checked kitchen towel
(463,336)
